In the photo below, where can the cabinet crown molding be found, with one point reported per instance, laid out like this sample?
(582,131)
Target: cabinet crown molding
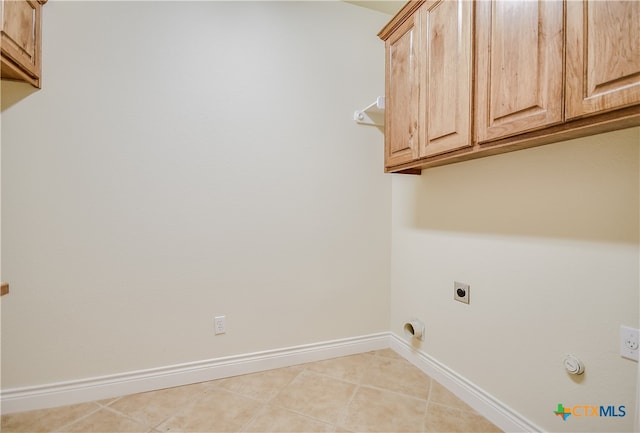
(403,14)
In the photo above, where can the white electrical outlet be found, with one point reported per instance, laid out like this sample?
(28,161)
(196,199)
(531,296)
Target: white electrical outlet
(629,342)
(220,325)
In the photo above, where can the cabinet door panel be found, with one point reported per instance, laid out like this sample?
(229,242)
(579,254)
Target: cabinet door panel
(402,95)
(447,76)
(603,56)
(519,66)
(20,34)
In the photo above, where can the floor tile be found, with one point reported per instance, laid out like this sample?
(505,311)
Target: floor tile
(280,420)
(108,401)
(317,396)
(441,395)
(397,375)
(377,391)
(216,411)
(45,420)
(105,421)
(447,419)
(261,386)
(387,353)
(347,368)
(151,408)
(377,410)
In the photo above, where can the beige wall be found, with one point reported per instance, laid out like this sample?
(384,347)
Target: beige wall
(186,160)
(548,240)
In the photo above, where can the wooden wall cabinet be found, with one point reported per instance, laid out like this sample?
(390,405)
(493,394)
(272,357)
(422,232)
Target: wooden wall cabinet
(603,56)
(428,80)
(519,66)
(542,71)
(402,93)
(446,101)
(20,40)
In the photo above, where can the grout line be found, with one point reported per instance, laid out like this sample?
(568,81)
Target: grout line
(459,409)
(430,389)
(303,370)
(329,376)
(394,392)
(237,394)
(426,406)
(129,417)
(263,402)
(341,418)
(305,415)
(201,395)
(97,409)
(429,402)
(262,409)
(111,401)
(295,376)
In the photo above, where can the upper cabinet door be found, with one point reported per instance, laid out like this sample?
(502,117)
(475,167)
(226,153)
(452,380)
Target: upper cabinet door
(519,66)
(20,40)
(446,76)
(402,134)
(603,56)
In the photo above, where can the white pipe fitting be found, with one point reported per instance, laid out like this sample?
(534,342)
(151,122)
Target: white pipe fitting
(415,328)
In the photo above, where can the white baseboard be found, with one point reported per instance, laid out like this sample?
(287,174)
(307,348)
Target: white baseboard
(104,387)
(485,404)
(98,388)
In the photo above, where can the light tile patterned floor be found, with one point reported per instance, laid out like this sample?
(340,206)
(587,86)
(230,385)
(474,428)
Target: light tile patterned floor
(371,392)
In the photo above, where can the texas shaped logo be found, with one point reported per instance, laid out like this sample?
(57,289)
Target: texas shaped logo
(562,412)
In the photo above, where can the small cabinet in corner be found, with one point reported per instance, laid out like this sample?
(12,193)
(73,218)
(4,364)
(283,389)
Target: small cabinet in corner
(402,90)
(428,81)
(20,40)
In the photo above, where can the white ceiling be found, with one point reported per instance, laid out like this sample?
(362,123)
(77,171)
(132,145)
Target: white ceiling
(387,6)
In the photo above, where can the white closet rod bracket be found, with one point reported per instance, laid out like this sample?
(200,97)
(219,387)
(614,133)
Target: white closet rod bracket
(372,115)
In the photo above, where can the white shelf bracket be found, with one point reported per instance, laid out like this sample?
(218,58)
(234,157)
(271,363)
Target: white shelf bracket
(372,115)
